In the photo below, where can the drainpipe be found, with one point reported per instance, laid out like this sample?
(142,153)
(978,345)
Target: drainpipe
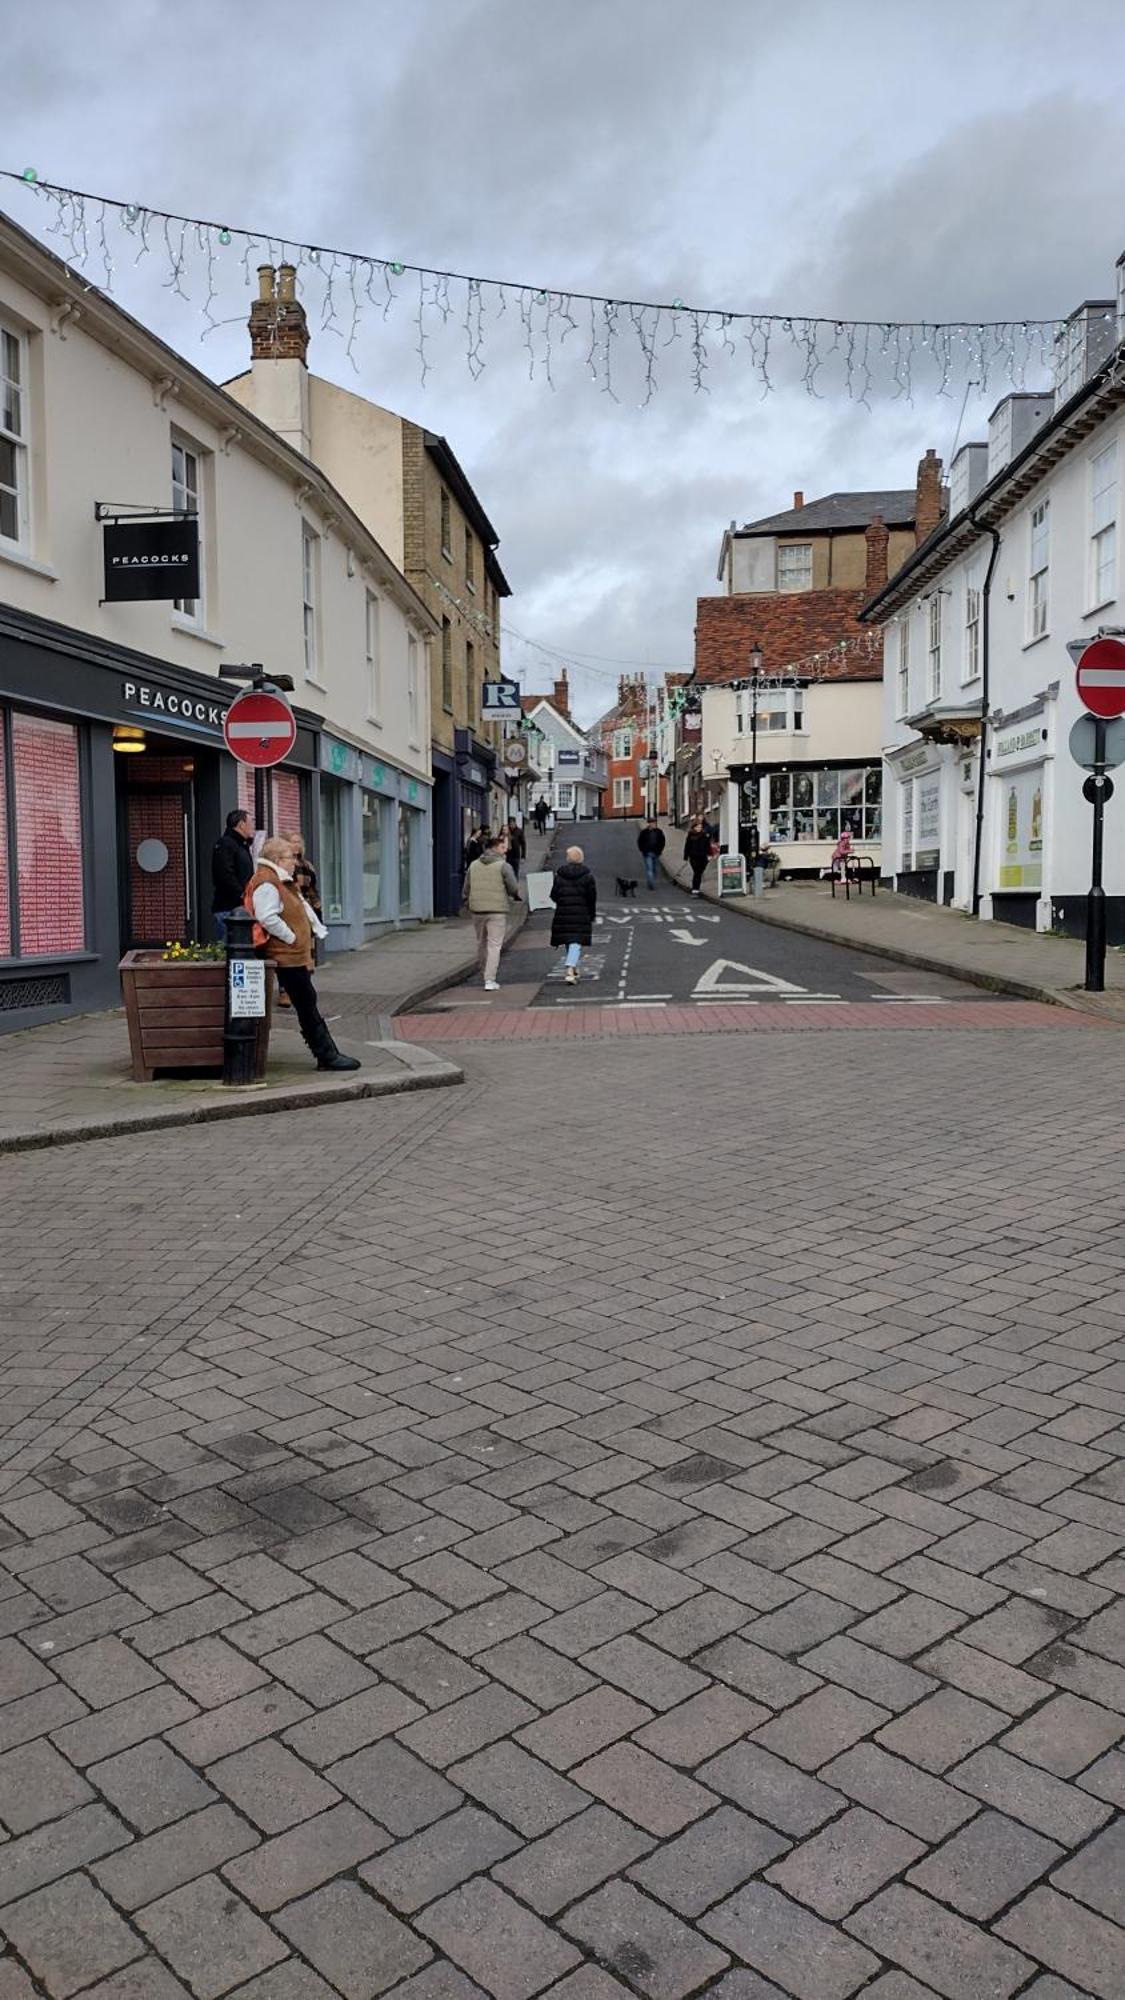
(986,593)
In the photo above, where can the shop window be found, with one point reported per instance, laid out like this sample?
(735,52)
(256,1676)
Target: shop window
(623,792)
(42,908)
(372,855)
(332,849)
(13,438)
(186,494)
(820,805)
(566,798)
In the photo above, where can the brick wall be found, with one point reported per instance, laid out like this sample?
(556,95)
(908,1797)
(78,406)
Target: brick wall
(787,625)
(425,559)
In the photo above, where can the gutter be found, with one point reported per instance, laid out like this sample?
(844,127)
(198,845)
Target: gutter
(986,651)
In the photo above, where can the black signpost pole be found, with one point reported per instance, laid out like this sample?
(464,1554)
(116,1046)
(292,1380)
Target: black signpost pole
(240,1032)
(1097,789)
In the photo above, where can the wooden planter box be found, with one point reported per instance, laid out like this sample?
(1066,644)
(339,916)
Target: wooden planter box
(176,1014)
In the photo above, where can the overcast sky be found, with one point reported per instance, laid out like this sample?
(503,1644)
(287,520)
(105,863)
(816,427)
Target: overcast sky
(879,158)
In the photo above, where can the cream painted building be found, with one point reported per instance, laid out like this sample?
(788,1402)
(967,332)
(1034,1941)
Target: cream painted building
(406,484)
(808,768)
(114,782)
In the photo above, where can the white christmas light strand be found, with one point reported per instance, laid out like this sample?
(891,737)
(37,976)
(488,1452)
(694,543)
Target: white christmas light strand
(624,343)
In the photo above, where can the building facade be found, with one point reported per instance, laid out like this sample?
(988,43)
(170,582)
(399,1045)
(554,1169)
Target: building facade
(569,768)
(406,484)
(114,780)
(795,754)
(626,737)
(984,804)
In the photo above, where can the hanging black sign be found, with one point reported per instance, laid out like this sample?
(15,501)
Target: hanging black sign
(147,559)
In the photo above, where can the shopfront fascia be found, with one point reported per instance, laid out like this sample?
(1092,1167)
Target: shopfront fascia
(1020,815)
(114,785)
(375,837)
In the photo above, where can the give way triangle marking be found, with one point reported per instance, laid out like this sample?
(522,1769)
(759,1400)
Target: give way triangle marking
(718,980)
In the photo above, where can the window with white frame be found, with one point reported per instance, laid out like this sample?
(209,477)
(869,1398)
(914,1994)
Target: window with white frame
(1038,570)
(1103,525)
(412,690)
(310,598)
(970,660)
(186,499)
(794,566)
(13,438)
(372,643)
(904,666)
(779,709)
(821,805)
(935,645)
(622,745)
(622,791)
(566,798)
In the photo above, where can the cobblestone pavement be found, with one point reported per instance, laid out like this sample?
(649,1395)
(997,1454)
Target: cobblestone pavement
(647,1523)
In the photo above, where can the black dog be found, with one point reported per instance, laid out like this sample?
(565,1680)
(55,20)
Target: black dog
(625,888)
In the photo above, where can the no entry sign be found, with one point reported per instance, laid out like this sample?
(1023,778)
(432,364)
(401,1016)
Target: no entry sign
(260,729)
(1101,678)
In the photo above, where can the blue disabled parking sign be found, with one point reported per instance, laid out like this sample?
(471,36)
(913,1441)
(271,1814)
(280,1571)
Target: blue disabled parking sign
(247,989)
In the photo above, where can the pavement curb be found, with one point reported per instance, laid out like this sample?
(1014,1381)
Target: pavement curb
(992,982)
(457,975)
(435,1074)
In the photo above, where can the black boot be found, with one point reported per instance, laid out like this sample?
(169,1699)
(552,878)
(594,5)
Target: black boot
(322,1046)
(338,1061)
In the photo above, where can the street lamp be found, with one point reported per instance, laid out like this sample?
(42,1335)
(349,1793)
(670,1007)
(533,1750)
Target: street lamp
(754,841)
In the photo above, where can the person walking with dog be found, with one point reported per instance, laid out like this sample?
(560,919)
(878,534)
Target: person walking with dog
(574,893)
(697,851)
(490,886)
(652,842)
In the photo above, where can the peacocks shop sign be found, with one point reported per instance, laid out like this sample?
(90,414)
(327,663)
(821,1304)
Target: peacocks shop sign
(151,559)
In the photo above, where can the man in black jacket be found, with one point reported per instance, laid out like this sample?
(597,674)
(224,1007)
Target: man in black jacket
(652,843)
(232,865)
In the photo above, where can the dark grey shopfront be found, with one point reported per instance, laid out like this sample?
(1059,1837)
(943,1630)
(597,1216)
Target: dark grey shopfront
(114,785)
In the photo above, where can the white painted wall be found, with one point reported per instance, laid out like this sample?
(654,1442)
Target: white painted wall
(99,431)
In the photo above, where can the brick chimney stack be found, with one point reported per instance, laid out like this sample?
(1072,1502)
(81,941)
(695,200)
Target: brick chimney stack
(878,540)
(279,330)
(928,498)
(798,501)
(561,697)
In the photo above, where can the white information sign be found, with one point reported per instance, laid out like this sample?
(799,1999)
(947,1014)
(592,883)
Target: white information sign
(247,989)
(538,885)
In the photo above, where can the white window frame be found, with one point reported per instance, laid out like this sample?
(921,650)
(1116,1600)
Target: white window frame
(413,726)
(790,575)
(1039,570)
(566,797)
(373,641)
(310,601)
(15,395)
(1103,526)
(971,658)
(904,666)
(622,745)
(781,711)
(622,792)
(934,647)
(191,610)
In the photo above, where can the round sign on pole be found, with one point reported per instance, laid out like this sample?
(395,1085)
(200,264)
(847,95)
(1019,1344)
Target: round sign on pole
(260,729)
(1100,678)
(1083,743)
(515,753)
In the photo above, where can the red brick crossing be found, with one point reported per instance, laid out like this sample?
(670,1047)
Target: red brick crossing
(714,1018)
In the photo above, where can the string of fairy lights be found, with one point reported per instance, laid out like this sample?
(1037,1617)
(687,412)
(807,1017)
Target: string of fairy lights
(626,346)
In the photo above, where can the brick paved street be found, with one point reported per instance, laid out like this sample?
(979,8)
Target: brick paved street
(649,1522)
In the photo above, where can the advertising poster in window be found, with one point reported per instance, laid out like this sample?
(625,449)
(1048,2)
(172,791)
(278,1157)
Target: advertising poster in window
(1021,829)
(927,851)
(907,860)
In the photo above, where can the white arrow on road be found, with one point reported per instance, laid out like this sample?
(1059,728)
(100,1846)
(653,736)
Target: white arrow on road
(717,980)
(685,937)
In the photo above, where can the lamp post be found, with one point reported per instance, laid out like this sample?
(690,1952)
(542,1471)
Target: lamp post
(753,840)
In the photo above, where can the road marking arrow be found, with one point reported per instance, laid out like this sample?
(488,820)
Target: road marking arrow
(685,937)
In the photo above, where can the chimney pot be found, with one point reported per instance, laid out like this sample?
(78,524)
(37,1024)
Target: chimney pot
(287,283)
(798,500)
(265,283)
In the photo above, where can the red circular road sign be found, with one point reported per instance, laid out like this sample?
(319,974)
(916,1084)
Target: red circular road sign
(1101,677)
(259,729)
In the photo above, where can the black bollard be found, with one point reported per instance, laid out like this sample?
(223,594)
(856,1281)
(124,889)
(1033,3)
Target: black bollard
(245,1000)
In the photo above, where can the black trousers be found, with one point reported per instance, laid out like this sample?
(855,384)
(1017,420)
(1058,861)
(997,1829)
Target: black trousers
(698,871)
(298,983)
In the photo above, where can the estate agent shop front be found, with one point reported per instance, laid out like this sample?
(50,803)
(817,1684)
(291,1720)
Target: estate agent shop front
(114,785)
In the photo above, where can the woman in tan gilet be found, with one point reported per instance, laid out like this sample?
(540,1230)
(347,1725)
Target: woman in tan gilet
(290,926)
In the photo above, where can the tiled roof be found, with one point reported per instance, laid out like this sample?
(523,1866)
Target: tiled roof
(837,511)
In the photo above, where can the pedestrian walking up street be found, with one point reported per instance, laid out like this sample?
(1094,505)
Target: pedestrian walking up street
(517,847)
(540,815)
(574,893)
(490,886)
(652,841)
(287,928)
(697,851)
